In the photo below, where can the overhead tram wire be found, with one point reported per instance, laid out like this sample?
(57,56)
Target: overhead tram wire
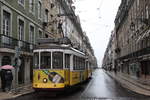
(99,7)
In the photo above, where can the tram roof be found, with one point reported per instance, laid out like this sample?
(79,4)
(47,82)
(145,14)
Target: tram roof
(52,46)
(57,47)
(60,43)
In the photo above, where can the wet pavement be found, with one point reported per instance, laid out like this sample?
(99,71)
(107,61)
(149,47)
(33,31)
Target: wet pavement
(103,86)
(100,87)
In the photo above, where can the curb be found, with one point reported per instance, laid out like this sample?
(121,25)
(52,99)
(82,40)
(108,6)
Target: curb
(10,96)
(130,85)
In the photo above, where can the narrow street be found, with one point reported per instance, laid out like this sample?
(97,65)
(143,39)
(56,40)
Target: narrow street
(101,87)
(52,44)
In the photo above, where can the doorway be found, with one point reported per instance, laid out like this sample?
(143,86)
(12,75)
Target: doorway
(21,71)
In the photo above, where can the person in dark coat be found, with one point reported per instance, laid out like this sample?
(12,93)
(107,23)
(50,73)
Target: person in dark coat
(8,78)
(3,80)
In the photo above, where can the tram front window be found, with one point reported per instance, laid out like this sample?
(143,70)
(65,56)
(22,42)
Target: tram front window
(45,60)
(57,60)
(36,60)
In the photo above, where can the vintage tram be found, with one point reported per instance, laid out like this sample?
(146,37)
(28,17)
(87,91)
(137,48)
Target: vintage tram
(58,66)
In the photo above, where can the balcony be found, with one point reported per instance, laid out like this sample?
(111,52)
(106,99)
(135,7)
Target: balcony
(137,54)
(11,43)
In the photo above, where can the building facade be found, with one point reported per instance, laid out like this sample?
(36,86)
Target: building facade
(21,25)
(24,21)
(63,22)
(108,62)
(132,29)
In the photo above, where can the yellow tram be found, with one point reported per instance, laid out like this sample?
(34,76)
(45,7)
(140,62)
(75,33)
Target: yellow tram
(59,66)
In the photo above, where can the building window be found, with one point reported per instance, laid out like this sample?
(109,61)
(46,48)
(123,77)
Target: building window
(39,10)
(31,6)
(147,13)
(40,34)
(6,23)
(138,5)
(46,15)
(21,2)
(31,34)
(21,30)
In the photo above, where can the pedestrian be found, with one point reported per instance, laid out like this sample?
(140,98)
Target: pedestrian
(9,78)
(3,80)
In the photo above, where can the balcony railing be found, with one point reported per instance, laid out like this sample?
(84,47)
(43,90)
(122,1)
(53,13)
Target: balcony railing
(142,52)
(11,43)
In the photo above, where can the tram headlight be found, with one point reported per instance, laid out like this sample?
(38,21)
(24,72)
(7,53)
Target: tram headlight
(44,80)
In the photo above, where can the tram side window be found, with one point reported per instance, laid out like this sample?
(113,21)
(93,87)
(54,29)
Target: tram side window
(83,64)
(67,61)
(36,60)
(86,64)
(74,62)
(57,60)
(79,64)
(81,67)
(45,60)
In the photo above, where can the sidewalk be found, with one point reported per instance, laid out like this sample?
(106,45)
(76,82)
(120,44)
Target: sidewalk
(132,84)
(21,91)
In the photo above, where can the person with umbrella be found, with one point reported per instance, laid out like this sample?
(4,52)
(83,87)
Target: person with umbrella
(6,77)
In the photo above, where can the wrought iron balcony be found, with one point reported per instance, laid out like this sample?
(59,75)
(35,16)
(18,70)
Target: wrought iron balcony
(11,43)
(25,46)
(139,53)
(7,42)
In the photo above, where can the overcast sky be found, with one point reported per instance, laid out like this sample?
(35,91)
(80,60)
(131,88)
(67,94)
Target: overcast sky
(97,19)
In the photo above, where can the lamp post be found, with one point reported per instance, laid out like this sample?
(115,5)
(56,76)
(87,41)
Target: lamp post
(17,62)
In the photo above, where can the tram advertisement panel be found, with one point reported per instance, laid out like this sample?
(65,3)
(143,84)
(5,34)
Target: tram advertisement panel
(43,77)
